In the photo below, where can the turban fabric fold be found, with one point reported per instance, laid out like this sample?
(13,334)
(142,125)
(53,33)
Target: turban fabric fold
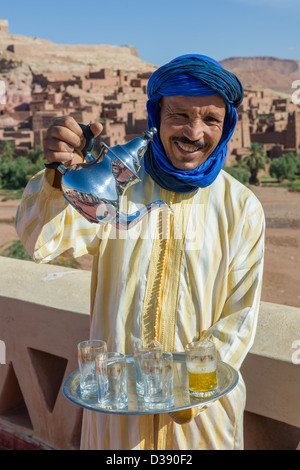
(190,75)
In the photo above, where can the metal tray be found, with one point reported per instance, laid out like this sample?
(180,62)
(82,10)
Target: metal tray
(226,375)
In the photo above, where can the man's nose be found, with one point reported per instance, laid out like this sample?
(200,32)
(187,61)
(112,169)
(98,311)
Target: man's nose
(194,130)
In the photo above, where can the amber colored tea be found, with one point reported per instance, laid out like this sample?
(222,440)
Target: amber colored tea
(202,382)
(201,363)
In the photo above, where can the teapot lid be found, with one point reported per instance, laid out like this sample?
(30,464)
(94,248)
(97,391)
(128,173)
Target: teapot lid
(131,153)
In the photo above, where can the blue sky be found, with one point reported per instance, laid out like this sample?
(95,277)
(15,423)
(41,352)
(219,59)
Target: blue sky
(163,29)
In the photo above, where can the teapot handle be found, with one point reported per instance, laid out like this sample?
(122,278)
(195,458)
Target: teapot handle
(90,140)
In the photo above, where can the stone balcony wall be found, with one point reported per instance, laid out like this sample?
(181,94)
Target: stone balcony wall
(44,313)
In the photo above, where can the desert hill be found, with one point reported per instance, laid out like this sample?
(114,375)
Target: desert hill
(264,72)
(26,55)
(21,57)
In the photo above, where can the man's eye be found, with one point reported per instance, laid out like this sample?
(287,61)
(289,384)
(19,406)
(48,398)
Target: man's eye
(181,115)
(211,119)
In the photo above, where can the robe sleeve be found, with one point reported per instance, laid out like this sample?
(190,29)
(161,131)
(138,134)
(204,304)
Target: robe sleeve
(47,224)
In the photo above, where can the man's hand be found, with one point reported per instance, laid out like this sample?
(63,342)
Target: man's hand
(64,141)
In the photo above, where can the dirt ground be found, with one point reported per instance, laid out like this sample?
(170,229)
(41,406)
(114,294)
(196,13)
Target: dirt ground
(281,282)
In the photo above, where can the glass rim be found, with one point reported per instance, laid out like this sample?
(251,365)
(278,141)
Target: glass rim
(201,345)
(93,343)
(115,353)
(110,355)
(156,355)
(145,346)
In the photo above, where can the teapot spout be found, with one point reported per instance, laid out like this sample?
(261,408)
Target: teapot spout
(127,221)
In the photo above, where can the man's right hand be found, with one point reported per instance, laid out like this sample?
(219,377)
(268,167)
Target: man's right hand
(64,141)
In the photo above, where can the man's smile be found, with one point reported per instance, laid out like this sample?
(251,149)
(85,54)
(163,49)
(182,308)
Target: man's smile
(189,147)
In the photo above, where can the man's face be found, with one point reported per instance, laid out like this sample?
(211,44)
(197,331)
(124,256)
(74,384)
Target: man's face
(190,128)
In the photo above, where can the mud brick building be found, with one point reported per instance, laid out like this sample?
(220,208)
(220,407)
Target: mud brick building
(118,99)
(268,119)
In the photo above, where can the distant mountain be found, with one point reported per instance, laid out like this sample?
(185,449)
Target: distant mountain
(264,72)
(21,56)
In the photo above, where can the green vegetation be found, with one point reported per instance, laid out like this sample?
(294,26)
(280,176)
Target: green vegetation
(239,173)
(283,171)
(15,172)
(286,167)
(295,186)
(15,249)
(255,160)
(10,194)
(246,170)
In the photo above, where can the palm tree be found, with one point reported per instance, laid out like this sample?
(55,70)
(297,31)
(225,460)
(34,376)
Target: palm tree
(255,160)
(7,149)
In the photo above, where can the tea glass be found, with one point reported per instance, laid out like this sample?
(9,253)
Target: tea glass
(201,362)
(139,348)
(157,373)
(112,380)
(87,352)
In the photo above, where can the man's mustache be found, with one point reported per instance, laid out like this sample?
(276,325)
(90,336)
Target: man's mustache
(186,141)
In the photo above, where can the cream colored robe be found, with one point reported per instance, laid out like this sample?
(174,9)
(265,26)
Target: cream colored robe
(178,277)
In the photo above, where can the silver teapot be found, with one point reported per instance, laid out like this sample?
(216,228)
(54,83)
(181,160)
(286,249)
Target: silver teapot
(94,187)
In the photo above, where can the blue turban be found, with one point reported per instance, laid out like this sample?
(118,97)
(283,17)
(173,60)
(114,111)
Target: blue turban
(190,75)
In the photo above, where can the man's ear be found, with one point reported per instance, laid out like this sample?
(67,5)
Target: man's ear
(160,103)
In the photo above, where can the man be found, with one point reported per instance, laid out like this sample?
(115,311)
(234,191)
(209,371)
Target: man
(202,279)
